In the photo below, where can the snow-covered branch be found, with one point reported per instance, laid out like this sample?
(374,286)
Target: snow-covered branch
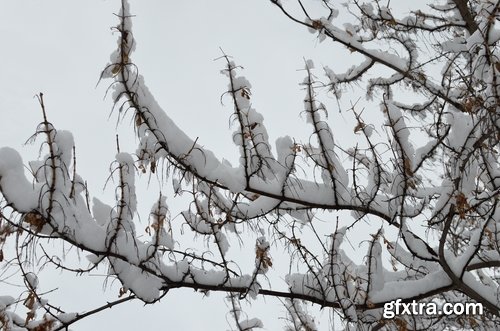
(422,185)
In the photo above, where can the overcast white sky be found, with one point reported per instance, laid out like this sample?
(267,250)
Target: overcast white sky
(59,47)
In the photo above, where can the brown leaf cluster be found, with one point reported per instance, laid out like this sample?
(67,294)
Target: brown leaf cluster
(262,255)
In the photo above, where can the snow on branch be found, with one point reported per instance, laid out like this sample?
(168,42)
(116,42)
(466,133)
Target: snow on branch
(408,211)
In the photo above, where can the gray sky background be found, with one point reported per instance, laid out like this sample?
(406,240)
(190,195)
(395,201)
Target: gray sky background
(59,47)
